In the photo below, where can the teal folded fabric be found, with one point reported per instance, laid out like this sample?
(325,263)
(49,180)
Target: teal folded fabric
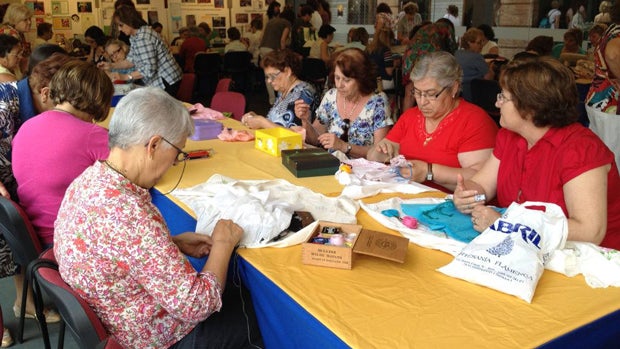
(444,217)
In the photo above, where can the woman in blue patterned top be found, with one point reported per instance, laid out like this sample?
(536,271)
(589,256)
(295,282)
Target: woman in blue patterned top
(282,69)
(352,116)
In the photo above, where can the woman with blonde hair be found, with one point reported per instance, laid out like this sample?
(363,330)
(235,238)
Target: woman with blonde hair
(603,16)
(17,21)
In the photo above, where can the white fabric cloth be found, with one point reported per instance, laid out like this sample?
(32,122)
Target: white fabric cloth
(600,266)
(263,208)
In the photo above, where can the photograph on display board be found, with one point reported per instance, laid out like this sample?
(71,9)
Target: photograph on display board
(254,16)
(39,19)
(60,8)
(37,8)
(219,22)
(190,20)
(175,21)
(204,1)
(143,2)
(107,13)
(219,3)
(188,1)
(222,32)
(153,17)
(85,7)
(245,3)
(242,18)
(61,23)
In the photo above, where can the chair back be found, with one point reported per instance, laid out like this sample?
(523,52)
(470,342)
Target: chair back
(237,62)
(314,71)
(19,232)
(223,85)
(186,90)
(484,94)
(77,315)
(229,101)
(207,63)
(207,67)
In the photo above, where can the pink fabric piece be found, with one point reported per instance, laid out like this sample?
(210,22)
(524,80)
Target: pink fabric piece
(230,135)
(200,112)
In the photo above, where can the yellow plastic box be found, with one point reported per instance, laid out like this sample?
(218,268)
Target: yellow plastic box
(274,140)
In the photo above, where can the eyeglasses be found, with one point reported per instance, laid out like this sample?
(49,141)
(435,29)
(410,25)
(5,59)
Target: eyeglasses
(345,130)
(502,99)
(272,77)
(115,52)
(427,94)
(181,155)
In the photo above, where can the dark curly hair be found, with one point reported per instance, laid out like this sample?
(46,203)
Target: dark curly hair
(282,59)
(355,64)
(542,89)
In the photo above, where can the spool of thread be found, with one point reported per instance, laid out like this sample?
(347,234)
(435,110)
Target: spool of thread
(409,222)
(336,240)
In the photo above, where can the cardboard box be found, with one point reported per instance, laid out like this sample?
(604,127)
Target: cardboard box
(369,242)
(274,140)
(310,162)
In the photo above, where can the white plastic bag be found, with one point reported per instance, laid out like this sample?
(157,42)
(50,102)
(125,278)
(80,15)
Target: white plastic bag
(510,255)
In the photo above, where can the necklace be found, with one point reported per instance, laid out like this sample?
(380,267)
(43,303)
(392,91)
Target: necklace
(290,87)
(349,113)
(113,168)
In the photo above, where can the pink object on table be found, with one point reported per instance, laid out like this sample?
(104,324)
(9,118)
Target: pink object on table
(200,112)
(230,135)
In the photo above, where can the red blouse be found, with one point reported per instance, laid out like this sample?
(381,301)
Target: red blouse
(539,174)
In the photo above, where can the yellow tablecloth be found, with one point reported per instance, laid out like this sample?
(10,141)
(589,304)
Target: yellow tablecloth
(384,304)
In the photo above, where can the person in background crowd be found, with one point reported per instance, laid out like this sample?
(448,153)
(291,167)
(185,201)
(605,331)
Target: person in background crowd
(96,39)
(108,232)
(41,53)
(453,15)
(235,43)
(352,117)
(192,45)
(275,37)
(354,39)
(602,99)
(75,144)
(603,16)
(489,46)
(115,32)
(20,101)
(316,19)
(207,34)
(326,15)
(159,28)
(320,48)
(16,22)
(10,57)
(538,106)
(595,34)
(150,57)
(572,43)
(282,69)
(383,17)
(407,22)
(183,34)
(444,134)
(471,61)
(380,53)
(541,45)
(254,37)
(273,10)
(301,26)
(554,14)
(579,18)
(44,33)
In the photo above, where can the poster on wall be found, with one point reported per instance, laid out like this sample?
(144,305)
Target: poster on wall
(242,18)
(153,17)
(218,3)
(245,3)
(60,8)
(190,20)
(85,7)
(37,7)
(61,23)
(143,2)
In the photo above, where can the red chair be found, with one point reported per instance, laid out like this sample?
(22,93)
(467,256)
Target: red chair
(186,90)
(223,85)
(233,102)
(19,234)
(77,315)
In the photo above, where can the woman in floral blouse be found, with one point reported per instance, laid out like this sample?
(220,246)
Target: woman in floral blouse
(352,117)
(114,248)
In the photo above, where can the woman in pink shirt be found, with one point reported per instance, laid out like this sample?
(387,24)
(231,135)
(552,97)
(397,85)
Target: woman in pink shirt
(53,148)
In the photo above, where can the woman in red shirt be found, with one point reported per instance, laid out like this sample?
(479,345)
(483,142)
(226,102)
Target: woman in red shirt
(543,154)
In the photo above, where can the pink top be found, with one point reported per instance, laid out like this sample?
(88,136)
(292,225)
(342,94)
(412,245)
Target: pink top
(114,248)
(49,152)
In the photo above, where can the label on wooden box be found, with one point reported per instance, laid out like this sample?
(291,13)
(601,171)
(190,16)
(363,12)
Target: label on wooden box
(382,245)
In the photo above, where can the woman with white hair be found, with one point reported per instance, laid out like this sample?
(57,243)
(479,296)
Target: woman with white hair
(113,244)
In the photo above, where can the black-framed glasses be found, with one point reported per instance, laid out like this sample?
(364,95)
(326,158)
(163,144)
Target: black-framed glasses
(429,96)
(272,77)
(115,52)
(345,130)
(181,155)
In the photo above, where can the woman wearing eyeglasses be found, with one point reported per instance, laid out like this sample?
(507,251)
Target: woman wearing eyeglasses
(352,117)
(53,148)
(282,69)
(17,21)
(443,135)
(117,50)
(10,56)
(543,154)
(113,245)
(471,60)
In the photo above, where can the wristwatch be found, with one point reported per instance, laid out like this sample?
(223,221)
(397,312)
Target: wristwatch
(348,149)
(429,172)
(129,78)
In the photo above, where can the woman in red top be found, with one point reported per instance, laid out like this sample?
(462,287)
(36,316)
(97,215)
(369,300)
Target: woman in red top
(444,134)
(543,154)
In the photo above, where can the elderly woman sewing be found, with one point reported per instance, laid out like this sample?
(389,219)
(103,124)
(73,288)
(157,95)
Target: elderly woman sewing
(443,135)
(113,245)
(543,154)
(282,69)
(351,117)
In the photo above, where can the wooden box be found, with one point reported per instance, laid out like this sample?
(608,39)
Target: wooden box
(274,140)
(369,242)
(310,162)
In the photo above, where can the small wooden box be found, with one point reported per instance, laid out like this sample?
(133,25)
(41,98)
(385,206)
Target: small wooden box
(310,162)
(369,242)
(274,140)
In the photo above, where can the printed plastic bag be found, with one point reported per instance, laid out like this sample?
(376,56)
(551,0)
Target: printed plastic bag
(510,255)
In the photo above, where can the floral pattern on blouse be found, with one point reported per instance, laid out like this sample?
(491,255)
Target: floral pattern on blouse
(114,248)
(375,115)
(283,110)
(9,122)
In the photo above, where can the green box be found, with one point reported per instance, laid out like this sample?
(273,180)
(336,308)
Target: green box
(310,162)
